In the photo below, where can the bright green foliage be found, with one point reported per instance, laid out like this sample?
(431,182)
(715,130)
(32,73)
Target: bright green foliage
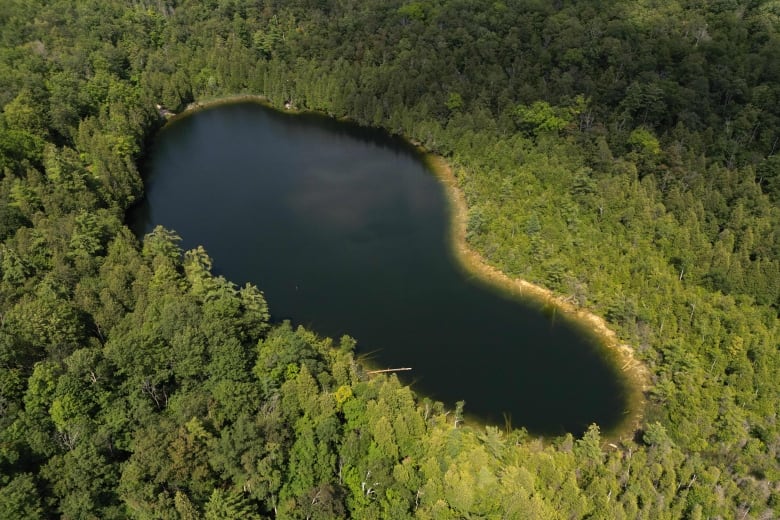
(623,154)
(454,101)
(644,141)
(413,11)
(24,113)
(544,118)
(229,506)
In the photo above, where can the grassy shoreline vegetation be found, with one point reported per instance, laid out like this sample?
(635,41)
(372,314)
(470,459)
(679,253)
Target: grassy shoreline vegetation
(621,153)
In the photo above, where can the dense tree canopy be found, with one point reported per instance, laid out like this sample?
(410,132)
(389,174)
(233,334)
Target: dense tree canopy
(623,154)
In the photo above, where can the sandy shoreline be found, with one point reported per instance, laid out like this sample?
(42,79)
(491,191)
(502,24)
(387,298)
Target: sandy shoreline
(635,373)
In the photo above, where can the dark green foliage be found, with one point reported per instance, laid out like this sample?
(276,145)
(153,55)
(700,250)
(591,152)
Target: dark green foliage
(19,498)
(623,154)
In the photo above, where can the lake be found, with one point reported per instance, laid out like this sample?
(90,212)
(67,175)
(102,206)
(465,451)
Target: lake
(346,232)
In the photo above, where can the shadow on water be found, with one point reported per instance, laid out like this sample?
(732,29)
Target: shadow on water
(346,231)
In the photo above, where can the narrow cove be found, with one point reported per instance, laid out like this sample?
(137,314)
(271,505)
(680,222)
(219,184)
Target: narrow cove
(347,232)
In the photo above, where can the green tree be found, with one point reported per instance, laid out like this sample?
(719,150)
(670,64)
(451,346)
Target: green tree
(19,498)
(224,505)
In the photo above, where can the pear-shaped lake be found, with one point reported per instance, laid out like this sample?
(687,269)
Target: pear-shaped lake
(346,231)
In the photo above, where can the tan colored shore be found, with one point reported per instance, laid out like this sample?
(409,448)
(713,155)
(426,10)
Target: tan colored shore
(635,373)
(208,103)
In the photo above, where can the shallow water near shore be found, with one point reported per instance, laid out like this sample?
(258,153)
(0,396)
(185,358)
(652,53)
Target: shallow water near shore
(347,232)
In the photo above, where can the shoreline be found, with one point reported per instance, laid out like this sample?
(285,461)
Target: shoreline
(633,372)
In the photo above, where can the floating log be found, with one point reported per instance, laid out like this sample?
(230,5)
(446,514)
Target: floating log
(370,372)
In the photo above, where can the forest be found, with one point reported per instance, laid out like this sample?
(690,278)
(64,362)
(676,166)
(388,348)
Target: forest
(622,154)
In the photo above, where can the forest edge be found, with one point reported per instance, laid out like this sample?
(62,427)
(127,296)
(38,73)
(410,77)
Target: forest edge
(631,370)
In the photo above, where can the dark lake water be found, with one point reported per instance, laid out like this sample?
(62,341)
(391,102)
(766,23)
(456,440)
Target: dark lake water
(346,232)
